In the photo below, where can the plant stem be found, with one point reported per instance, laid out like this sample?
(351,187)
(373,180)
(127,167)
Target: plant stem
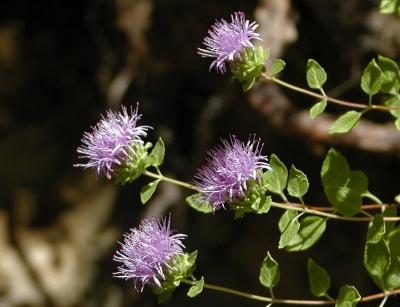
(331,99)
(321,211)
(170,180)
(287,301)
(309,210)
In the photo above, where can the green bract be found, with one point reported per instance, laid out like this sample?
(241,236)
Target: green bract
(134,165)
(250,67)
(182,266)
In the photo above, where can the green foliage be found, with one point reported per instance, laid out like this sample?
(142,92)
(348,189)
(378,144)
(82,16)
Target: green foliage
(277,178)
(156,157)
(348,297)
(376,229)
(255,199)
(318,108)
(148,190)
(316,75)
(377,261)
(196,289)
(277,66)
(371,79)
(134,166)
(390,75)
(250,67)
(183,266)
(311,229)
(289,232)
(345,122)
(382,251)
(285,219)
(298,183)
(390,7)
(269,272)
(320,282)
(197,202)
(344,188)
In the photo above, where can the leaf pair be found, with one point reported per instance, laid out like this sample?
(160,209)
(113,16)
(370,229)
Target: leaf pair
(155,159)
(343,187)
(299,235)
(382,250)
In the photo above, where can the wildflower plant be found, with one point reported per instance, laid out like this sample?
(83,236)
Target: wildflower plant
(238,176)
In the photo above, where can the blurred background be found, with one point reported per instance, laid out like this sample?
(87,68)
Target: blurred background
(63,63)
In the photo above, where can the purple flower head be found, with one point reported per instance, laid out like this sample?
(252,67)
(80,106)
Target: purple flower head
(229,166)
(146,250)
(226,40)
(111,141)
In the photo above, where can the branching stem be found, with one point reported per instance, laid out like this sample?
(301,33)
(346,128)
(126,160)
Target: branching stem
(346,103)
(287,301)
(321,211)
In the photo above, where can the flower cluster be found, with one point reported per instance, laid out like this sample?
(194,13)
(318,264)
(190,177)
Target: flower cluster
(228,169)
(146,251)
(226,40)
(111,141)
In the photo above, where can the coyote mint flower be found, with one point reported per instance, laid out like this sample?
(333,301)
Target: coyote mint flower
(229,167)
(146,251)
(114,140)
(225,41)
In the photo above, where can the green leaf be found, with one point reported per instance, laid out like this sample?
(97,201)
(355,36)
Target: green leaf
(348,297)
(316,75)
(390,75)
(320,282)
(289,233)
(147,191)
(311,229)
(376,229)
(377,261)
(318,108)
(335,169)
(157,154)
(390,210)
(251,66)
(262,204)
(371,79)
(394,102)
(392,276)
(197,202)
(345,122)
(277,66)
(285,219)
(277,178)
(390,6)
(298,183)
(344,188)
(269,272)
(196,289)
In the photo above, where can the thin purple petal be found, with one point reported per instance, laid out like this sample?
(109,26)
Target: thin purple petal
(107,145)
(146,250)
(226,40)
(228,169)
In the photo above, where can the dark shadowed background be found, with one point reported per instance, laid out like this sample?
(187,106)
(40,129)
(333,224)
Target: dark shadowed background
(63,63)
